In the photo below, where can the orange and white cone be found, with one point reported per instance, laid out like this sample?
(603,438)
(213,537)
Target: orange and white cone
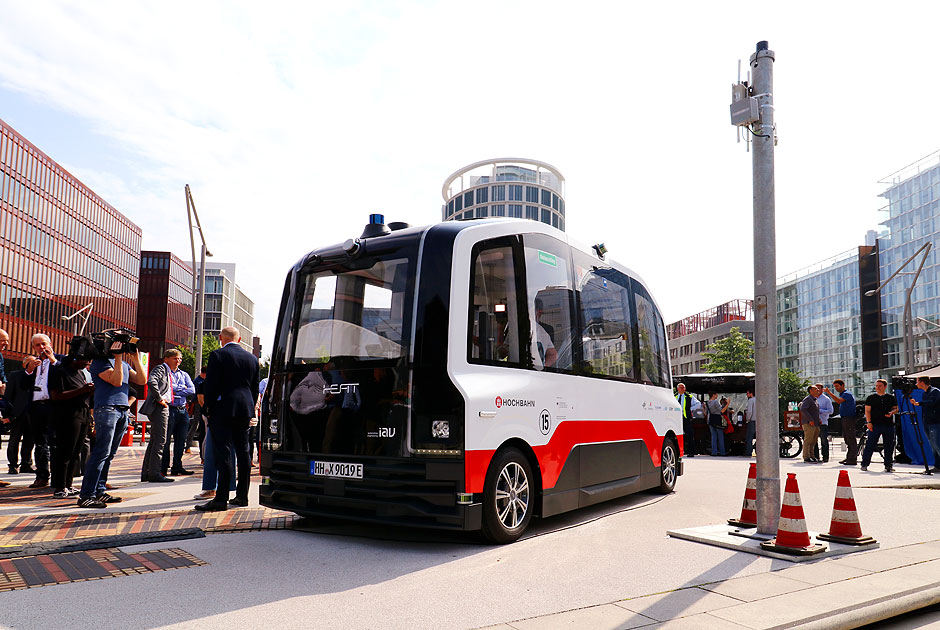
(845,527)
(749,509)
(792,536)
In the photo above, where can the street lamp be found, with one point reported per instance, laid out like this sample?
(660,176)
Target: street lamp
(908,322)
(199,314)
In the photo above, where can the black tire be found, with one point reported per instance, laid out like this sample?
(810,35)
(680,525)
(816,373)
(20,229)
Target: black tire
(668,466)
(790,445)
(508,497)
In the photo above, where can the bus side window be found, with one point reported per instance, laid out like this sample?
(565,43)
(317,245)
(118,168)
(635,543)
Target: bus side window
(654,361)
(549,302)
(607,329)
(494,317)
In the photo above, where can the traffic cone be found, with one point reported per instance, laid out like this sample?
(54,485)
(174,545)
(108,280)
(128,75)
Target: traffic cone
(845,527)
(749,509)
(792,537)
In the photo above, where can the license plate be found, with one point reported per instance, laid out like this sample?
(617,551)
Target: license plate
(339,470)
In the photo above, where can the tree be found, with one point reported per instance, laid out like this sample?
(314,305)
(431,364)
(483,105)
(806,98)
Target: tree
(734,353)
(209,343)
(264,367)
(790,387)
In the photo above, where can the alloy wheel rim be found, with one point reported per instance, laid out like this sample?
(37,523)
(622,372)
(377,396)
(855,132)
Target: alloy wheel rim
(512,495)
(669,466)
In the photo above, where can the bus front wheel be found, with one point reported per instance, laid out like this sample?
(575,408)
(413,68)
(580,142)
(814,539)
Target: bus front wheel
(507,497)
(668,466)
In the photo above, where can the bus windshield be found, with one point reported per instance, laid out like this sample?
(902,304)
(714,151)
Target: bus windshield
(354,313)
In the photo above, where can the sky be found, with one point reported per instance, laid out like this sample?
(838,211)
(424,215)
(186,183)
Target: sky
(292,121)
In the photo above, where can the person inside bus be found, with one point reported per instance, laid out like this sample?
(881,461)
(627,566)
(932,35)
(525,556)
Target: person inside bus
(716,423)
(544,353)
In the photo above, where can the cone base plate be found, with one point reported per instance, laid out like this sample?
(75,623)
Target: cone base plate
(861,540)
(737,523)
(812,550)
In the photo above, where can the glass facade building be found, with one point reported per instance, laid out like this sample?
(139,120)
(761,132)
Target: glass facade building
(62,247)
(164,306)
(227,305)
(506,187)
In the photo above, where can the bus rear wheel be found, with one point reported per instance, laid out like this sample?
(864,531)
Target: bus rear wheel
(668,466)
(508,494)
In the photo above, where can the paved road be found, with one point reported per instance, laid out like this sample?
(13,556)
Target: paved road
(367,577)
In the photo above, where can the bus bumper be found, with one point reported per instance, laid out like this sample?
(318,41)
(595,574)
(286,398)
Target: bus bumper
(393,491)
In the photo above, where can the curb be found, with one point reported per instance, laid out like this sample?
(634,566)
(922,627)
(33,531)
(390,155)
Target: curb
(99,542)
(876,610)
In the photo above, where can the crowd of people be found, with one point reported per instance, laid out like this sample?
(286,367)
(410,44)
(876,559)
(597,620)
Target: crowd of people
(815,410)
(67,416)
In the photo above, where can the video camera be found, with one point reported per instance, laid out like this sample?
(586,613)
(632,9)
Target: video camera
(905,384)
(103,345)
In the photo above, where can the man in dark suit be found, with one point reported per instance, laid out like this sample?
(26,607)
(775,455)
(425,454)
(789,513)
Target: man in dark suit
(19,395)
(231,389)
(39,368)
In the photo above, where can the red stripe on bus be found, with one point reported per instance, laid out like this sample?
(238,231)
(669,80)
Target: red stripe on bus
(552,456)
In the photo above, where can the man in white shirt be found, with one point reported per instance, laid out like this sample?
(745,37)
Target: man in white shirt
(38,368)
(825,410)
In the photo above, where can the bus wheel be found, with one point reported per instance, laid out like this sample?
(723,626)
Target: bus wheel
(669,466)
(507,497)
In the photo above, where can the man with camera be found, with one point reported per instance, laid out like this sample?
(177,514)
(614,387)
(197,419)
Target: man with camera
(880,408)
(111,377)
(930,404)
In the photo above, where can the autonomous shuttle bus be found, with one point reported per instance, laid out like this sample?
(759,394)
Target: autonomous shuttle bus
(468,375)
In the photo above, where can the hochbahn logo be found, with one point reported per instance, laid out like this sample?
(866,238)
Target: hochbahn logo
(513,402)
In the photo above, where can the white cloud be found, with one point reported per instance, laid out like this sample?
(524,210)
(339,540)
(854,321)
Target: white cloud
(294,122)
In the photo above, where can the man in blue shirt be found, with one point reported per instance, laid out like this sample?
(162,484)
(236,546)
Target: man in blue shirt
(931,416)
(111,378)
(179,420)
(846,402)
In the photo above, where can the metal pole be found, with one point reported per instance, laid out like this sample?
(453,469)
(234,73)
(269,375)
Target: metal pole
(908,318)
(765,296)
(192,247)
(200,325)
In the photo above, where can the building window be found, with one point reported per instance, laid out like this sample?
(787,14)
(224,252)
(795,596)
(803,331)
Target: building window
(468,199)
(554,220)
(481,212)
(546,198)
(458,204)
(499,210)
(499,193)
(554,201)
(515,210)
(531,212)
(468,214)
(531,194)
(561,224)
(482,195)
(450,207)
(515,192)
(546,216)
(561,207)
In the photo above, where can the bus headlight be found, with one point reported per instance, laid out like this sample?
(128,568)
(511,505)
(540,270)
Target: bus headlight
(440,429)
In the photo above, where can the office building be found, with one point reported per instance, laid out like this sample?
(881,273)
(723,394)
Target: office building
(227,305)
(691,336)
(506,187)
(164,305)
(62,247)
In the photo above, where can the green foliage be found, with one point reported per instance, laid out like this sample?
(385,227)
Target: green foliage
(209,343)
(734,353)
(264,367)
(790,387)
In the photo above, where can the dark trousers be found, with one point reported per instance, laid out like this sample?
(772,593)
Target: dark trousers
(824,441)
(688,436)
(178,429)
(226,433)
(43,432)
(849,429)
(70,435)
(21,437)
(886,433)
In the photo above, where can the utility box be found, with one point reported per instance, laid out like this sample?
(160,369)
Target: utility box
(744,111)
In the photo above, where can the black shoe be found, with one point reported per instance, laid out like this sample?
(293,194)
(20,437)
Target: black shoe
(160,480)
(182,471)
(108,498)
(27,469)
(238,502)
(890,470)
(11,470)
(825,460)
(211,506)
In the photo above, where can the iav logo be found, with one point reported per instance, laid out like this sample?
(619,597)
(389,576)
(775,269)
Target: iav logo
(386,432)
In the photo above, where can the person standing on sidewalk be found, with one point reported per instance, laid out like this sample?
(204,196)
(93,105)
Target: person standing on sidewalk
(880,408)
(41,427)
(846,402)
(750,415)
(71,390)
(716,423)
(178,427)
(157,409)
(825,410)
(809,419)
(19,395)
(688,429)
(111,378)
(931,416)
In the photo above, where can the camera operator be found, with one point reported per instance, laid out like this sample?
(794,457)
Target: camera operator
(71,390)
(110,377)
(880,408)
(931,416)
